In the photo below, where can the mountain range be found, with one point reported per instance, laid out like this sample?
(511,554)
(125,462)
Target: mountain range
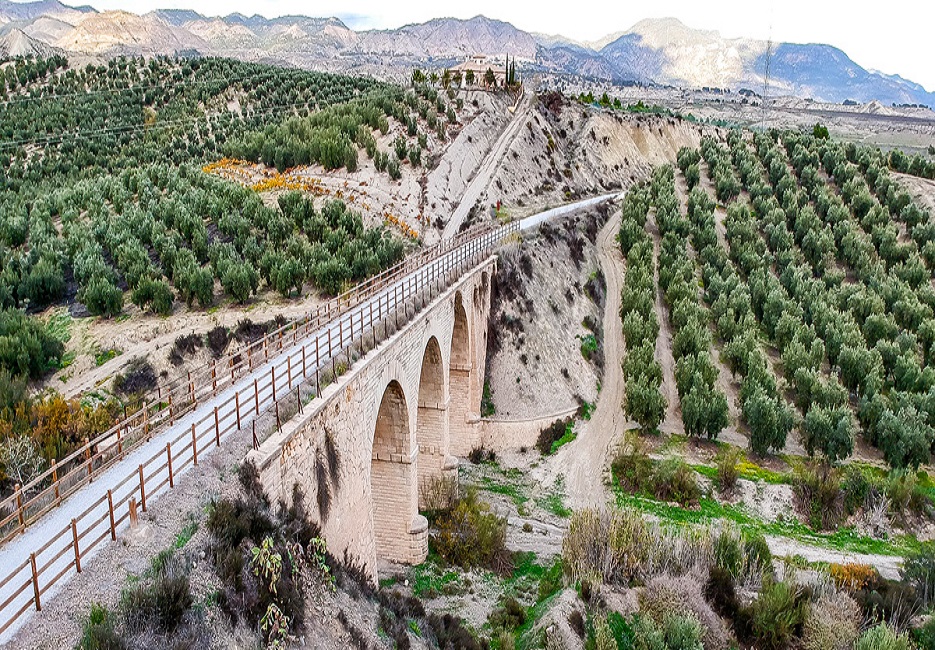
(658,51)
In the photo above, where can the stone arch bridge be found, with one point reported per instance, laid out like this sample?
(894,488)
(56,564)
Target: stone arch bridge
(391,427)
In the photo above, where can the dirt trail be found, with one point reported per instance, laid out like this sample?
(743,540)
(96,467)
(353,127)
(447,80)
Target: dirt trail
(672,422)
(889,566)
(584,460)
(487,169)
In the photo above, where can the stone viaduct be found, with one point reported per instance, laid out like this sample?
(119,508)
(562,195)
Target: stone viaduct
(395,423)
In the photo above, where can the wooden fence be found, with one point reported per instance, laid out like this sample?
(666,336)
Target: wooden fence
(299,352)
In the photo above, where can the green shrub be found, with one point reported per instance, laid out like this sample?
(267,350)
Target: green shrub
(683,633)
(668,480)
(675,633)
(919,570)
(818,489)
(728,554)
(728,468)
(603,635)
(26,346)
(906,493)
(509,615)
(883,637)
(551,580)
(757,552)
(646,636)
(622,631)
(924,636)
(99,631)
(470,535)
(632,466)
(102,298)
(776,614)
(552,434)
(674,480)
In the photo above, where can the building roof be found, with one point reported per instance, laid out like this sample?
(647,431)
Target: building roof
(481,68)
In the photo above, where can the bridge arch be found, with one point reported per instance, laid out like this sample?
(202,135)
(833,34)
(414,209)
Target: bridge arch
(432,435)
(399,532)
(461,380)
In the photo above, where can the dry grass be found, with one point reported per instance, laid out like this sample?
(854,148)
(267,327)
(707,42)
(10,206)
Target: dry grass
(833,623)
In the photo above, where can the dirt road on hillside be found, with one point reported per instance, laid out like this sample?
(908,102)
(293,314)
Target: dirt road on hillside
(584,461)
(486,171)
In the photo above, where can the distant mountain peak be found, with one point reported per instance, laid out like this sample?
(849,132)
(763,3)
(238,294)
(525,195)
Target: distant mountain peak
(15,42)
(660,50)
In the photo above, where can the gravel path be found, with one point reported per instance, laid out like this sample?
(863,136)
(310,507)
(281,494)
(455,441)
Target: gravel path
(889,566)
(584,460)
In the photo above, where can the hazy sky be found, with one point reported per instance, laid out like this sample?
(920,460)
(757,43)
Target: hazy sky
(894,37)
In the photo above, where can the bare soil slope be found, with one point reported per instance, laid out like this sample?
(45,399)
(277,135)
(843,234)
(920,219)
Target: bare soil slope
(567,150)
(547,286)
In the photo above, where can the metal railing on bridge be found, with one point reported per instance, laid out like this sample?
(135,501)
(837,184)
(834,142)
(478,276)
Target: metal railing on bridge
(296,356)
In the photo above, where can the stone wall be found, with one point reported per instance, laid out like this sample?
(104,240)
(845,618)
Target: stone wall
(512,435)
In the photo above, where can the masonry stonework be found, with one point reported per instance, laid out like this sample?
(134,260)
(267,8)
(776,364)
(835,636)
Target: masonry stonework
(396,419)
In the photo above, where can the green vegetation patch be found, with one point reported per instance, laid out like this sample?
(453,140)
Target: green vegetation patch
(708,510)
(103,356)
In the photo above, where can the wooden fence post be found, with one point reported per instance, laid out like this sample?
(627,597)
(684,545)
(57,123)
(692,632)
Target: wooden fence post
(74,542)
(58,496)
(35,581)
(87,456)
(191,388)
(256,395)
(278,423)
(194,447)
(217,428)
(119,443)
(110,508)
(169,457)
(134,516)
(298,398)
(331,354)
(19,506)
(142,490)
(272,373)
(304,373)
(256,443)
(237,406)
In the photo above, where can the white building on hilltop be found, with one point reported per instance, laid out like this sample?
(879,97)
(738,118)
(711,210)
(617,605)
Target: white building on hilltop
(479,64)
